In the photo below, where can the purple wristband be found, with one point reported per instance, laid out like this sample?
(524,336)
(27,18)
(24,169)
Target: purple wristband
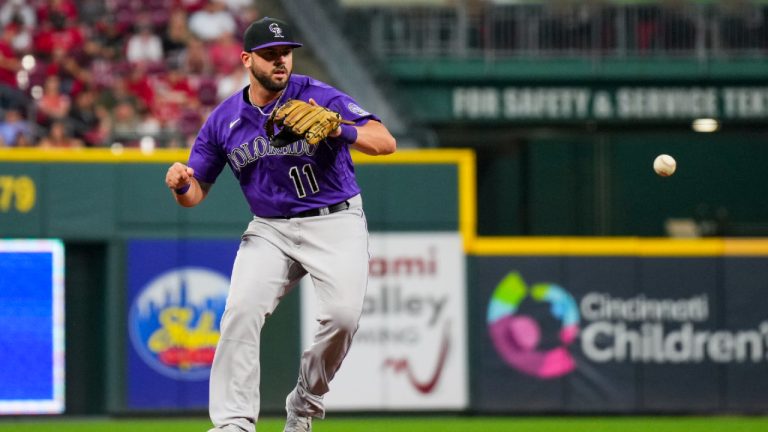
(182,190)
(348,134)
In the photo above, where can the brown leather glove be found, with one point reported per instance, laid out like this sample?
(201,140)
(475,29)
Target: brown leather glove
(301,119)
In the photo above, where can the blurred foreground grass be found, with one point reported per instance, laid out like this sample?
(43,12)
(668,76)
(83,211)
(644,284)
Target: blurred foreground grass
(409,424)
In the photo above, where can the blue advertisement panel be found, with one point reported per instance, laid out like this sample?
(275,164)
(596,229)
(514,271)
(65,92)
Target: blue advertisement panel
(176,295)
(31,327)
(619,334)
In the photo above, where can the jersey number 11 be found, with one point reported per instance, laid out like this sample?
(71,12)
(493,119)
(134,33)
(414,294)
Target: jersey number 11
(296,177)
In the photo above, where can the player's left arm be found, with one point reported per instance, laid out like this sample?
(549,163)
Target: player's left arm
(368,135)
(373,138)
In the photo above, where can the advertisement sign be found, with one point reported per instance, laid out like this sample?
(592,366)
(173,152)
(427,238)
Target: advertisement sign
(31,327)
(592,102)
(744,305)
(621,334)
(177,291)
(410,350)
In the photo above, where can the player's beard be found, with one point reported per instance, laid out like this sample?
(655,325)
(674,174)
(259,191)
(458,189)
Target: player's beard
(267,82)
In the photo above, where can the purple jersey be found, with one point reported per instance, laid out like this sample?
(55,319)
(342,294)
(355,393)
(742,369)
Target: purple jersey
(279,182)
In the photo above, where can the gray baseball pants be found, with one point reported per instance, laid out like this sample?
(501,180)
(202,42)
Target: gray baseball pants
(273,256)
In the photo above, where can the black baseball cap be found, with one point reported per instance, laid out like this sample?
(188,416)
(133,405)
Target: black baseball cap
(268,32)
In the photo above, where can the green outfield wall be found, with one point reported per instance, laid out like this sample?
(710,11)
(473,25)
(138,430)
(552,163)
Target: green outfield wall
(700,344)
(98,201)
(99,195)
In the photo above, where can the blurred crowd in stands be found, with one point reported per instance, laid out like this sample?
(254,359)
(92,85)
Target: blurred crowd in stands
(105,73)
(96,73)
(494,29)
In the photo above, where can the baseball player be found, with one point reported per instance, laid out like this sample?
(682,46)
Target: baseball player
(286,138)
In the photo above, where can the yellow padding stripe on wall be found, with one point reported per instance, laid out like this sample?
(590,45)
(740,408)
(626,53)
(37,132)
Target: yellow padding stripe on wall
(618,246)
(746,247)
(91,155)
(133,155)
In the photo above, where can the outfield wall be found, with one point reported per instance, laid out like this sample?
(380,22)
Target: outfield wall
(517,325)
(108,206)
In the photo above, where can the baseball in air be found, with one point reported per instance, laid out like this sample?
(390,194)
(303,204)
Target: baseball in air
(664,165)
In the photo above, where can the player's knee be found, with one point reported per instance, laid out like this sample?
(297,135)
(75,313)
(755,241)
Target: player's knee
(344,320)
(245,314)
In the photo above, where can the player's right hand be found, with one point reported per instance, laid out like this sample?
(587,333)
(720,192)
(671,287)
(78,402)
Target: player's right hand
(178,176)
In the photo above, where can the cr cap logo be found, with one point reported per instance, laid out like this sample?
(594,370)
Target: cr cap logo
(516,336)
(174,322)
(276,30)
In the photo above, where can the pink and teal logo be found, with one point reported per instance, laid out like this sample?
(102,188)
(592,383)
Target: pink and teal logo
(516,336)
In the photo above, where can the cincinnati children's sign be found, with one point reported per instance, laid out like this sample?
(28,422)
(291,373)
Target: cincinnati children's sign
(610,328)
(410,349)
(664,330)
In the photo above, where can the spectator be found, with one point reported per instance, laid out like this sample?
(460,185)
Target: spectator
(21,14)
(237,6)
(742,26)
(174,93)
(647,28)
(678,28)
(18,11)
(176,35)
(71,70)
(59,136)
(194,60)
(244,11)
(128,125)
(102,71)
(190,5)
(188,125)
(224,53)
(110,35)
(207,90)
(10,65)
(144,46)
(65,8)
(58,32)
(231,83)
(211,22)
(91,10)
(15,131)
(86,120)
(148,124)
(53,105)
(124,124)
(118,92)
(9,62)
(138,85)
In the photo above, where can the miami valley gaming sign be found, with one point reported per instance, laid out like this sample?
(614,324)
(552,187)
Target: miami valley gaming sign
(410,351)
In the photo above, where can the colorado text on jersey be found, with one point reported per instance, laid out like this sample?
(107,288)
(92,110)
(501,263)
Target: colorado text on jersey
(246,153)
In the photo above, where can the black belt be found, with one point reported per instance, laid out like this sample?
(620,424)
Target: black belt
(322,210)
